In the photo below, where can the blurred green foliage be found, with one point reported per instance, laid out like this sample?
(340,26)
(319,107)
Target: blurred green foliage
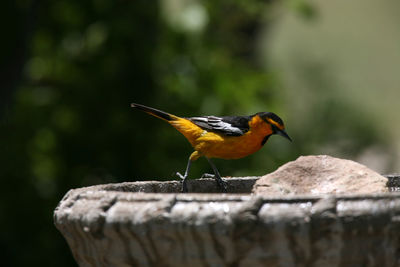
(73,67)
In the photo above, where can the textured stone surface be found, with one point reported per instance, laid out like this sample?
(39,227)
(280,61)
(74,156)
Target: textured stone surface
(321,175)
(204,185)
(112,225)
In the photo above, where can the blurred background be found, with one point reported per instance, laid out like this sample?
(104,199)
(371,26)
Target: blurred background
(71,68)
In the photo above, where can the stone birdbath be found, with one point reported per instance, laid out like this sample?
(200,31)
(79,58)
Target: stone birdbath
(152,224)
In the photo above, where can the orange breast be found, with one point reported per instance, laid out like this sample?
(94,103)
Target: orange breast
(213,145)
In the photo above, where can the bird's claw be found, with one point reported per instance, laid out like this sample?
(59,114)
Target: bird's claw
(180,175)
(184,188)
(222,184)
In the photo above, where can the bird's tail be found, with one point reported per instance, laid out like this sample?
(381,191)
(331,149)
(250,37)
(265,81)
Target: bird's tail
(155,112)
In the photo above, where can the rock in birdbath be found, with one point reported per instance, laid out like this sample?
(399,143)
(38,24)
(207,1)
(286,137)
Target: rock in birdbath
(321,175)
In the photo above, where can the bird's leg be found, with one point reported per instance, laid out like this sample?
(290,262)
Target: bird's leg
(184,177)
(221,183)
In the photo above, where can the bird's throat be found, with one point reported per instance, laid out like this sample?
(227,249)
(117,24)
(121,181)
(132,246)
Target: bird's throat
(265,139)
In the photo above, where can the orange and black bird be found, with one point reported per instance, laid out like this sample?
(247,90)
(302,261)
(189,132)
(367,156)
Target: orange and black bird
(229,137)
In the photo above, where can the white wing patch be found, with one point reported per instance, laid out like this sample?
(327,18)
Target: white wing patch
(216,123)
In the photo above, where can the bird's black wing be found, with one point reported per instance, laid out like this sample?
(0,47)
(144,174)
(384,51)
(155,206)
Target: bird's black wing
(230,125)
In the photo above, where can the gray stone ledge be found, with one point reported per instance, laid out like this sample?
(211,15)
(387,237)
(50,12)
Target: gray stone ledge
(115,225)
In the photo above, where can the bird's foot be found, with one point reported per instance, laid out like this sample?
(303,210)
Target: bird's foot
(184,188)
(180,175)
(222,184)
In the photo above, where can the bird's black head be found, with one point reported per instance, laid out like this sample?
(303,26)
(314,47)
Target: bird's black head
(276,123)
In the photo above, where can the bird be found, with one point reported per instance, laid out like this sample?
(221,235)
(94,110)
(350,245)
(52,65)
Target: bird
(228,137)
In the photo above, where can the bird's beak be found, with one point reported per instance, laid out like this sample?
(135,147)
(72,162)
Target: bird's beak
(284,134)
